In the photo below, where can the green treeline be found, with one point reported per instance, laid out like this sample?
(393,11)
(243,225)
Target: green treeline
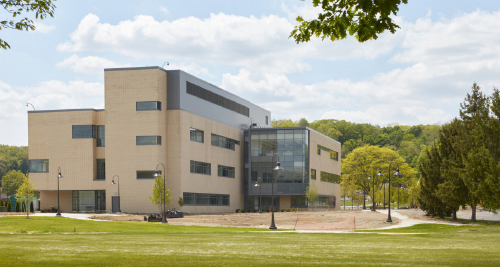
(408,141)
(462,167)
(13,158)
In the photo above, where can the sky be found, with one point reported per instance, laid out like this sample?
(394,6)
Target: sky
(419,75)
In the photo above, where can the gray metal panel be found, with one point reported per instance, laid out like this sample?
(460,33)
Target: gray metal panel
(173,90)
(177,90)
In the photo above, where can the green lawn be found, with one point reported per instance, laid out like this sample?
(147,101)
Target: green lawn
(49,241)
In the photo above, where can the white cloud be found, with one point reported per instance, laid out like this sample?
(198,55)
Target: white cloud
(90,64)
(164,9)
(40,27)
(258,44)
(48,95)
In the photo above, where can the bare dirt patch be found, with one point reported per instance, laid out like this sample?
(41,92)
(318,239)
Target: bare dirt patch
(283,220)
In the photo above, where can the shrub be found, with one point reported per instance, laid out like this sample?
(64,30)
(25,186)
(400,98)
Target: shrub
(17,206)
(9,207)
(1,202)
(287,210)
(243,211)
(282,210)
(31,207)
(237,210)
(255,210)
(274,210)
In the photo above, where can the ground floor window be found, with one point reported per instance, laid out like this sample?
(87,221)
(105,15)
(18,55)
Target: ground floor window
(205,199)
(89,201)
(252,203)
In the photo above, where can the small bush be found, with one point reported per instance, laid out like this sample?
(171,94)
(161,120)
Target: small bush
(274,210)
(237,210)
(18,209)
(9,207)
(295,209)
(1,202)
(31,207)
(282,210)
(255,210)
(287,210)
(243,211)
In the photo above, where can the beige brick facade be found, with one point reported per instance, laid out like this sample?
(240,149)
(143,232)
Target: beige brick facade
(50,137)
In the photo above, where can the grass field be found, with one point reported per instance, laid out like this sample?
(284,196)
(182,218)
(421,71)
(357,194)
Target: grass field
(50,241)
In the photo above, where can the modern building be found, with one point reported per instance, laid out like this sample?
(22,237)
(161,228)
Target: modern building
(215,146)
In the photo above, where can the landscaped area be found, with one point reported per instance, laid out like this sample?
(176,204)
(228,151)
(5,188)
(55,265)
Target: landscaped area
(52,241)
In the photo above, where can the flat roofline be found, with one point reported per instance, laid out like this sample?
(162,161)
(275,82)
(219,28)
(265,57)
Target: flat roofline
(294,128)
(64,110)
(189,74)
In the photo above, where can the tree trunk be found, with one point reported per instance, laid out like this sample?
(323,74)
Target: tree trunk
(473,217)
(364,200)
(454,215)
(27,211)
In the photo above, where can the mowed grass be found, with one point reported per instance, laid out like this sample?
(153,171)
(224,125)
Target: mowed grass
(48,241)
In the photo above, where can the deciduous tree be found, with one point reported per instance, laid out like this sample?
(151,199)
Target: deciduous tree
(157,197)
(18,9)
(365,19)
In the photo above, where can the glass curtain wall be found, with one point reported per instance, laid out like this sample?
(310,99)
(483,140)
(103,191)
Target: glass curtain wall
(292,147)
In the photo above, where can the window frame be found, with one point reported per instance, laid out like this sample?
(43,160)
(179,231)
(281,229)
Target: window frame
(101,140)
(93,134)
(41,164)
(137,174)
(227,169)
(103,172)
(195,166)
(193,132)
(158,105)
(158,140)
(195,199)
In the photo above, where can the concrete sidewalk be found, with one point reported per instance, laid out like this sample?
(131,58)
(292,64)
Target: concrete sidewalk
(405,221)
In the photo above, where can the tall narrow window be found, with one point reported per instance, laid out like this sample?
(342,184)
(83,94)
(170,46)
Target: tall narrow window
(101,170)
(100,135)
(148,140)
(196,135)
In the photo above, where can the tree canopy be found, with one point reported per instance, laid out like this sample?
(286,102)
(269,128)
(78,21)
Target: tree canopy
(41,8)
(157,197)
(365,19)
(12,181)
(463,167)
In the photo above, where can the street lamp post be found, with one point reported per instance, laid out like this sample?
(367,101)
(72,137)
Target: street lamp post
(119,199)
(389,219)
(58,177)
(373,180)
(260,193)
(277,168)
(164,219)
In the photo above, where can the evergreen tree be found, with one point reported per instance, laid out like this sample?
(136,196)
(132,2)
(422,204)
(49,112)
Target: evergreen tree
(17,206)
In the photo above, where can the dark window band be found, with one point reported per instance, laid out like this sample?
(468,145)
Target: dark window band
(214,98)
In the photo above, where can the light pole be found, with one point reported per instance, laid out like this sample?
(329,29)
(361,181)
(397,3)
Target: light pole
(389,220)
(277,168)
(373,198)
(260,193)
(119,199)
(164,219)
(31,105)
(58,177)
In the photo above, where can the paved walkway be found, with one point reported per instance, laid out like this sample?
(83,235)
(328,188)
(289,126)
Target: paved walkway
(405,221)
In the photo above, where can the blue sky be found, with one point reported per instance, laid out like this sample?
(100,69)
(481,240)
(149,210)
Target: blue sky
(417,76)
